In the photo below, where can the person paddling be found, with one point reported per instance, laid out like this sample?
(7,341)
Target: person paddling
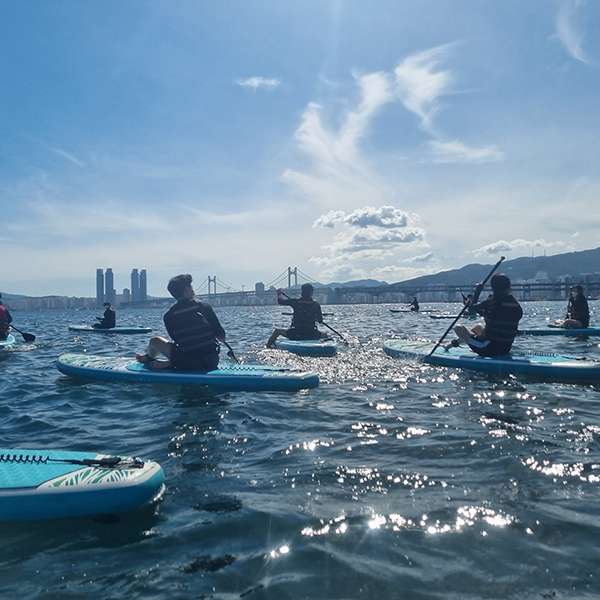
(414,305)
(5,321)
(108,319)
(194,328)
(578,311)
(307,313)
(501,313)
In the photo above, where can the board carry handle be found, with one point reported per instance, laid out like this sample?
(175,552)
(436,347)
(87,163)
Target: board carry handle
(476,295)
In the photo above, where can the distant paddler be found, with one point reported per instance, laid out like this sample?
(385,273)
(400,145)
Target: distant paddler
(5,321)
(414,305)
(578,311)
(307,313)
(108,320)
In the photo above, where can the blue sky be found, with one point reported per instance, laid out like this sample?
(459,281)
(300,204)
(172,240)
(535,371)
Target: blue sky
(384,139)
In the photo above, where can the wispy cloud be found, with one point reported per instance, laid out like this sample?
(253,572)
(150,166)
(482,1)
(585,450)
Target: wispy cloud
(457,152)
(257,82)
(419,84)
(568,32)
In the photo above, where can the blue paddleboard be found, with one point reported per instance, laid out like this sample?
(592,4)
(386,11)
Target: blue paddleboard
(321,347)
(9,341)
(91,329)
(50,484)
(228,377)
(551,367)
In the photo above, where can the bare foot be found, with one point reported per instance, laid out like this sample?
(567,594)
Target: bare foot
(143,358)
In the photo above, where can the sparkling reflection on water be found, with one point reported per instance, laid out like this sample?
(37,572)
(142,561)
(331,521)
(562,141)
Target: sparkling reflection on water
(393,479)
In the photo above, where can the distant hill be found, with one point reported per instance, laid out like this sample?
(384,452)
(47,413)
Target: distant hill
(358,283)
(572,264)
(12,296)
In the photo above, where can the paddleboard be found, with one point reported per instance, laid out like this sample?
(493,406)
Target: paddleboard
(320,347)
(466,315)
(89,328)
(228,377)
(9,341)
(50,484)
(551,367)
(560,331)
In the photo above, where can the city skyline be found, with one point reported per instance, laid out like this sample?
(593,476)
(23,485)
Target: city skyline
(382,140)
(106,291)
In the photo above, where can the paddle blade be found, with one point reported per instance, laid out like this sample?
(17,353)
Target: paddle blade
(28,337)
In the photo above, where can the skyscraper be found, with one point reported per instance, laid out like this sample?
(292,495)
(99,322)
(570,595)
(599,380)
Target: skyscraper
(99,288)
(135,286)
(143,286)
(109,282)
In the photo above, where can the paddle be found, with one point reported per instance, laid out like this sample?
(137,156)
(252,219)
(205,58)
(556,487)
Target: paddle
(28,337)
(328,327)
(478,290)
(230,353)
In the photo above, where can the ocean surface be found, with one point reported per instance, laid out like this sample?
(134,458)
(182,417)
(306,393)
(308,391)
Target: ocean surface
(392,479)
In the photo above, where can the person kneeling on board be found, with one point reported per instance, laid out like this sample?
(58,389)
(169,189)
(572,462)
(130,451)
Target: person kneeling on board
(108,319)
(194,328)
(5,321)
(578,311)
(501,313)
(307,313)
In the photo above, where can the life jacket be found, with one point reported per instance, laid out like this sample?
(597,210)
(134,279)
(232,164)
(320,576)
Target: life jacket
(3,320)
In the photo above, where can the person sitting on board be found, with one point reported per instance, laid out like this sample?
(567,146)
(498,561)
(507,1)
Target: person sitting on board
(578,311)
(5,321)
(307,313)
(501,313)
(414,305)
(194,328)
(108,319)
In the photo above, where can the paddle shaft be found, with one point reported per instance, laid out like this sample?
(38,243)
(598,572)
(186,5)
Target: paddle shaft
(28,337)
(231,353)
(328,327)
(466,306)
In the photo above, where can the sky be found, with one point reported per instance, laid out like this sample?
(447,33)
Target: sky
(348,139)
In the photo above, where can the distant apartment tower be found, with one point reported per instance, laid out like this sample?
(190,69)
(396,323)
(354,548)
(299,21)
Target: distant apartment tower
(99,288)
(259,286)
(109,284)
(143,286)
(135,286)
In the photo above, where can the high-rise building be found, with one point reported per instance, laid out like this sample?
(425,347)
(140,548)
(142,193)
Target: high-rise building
(99,288)
(109,283)
(143,286)
(135,285)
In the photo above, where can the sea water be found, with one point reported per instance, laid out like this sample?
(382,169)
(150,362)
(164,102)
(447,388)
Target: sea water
(392,479)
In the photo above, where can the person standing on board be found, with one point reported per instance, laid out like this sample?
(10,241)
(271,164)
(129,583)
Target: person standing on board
(501,313)
(5,321)
(108,319)
(414,305)
(194,329)
(307,313)
(578,311)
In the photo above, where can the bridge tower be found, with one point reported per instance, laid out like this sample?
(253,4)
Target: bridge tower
(292,273)
(212,280)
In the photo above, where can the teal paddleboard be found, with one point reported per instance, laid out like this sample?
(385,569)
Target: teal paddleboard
(560,331)
(50,484)
(228,377)
(9,341)
(547,366)
(90,329)
(321,347)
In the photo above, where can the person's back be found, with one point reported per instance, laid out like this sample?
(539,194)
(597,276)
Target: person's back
(578,308)
(5,320)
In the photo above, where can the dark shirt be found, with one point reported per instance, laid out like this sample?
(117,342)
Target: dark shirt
(579,310)
(307,313)
(502,316)
(109,319)
(194,326)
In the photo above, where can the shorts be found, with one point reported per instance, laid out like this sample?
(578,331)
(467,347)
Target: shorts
(486,347)
(302,334)
(188,361)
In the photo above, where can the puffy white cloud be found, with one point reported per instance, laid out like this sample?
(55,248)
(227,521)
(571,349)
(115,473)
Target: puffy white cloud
(518,244)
